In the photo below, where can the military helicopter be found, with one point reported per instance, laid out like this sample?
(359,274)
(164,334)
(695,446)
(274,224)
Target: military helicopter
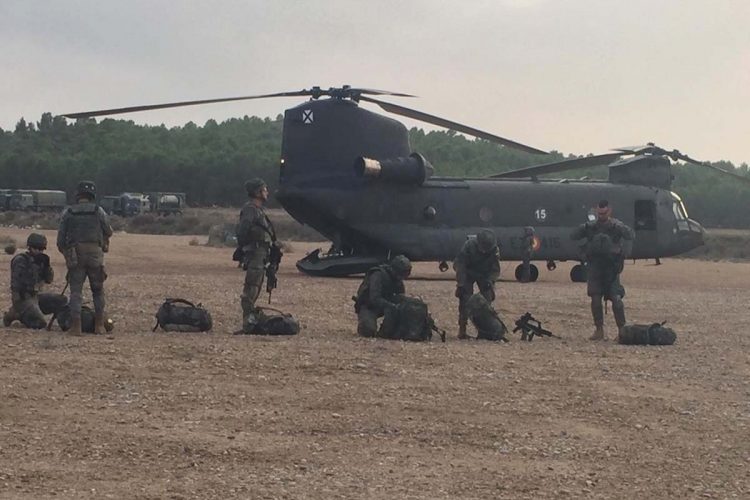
(350,174)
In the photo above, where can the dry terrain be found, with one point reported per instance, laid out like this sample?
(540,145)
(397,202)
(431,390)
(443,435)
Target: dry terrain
(328,415)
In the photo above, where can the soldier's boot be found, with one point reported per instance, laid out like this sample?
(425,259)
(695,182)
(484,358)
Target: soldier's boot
(598,334)
(9,317)
(75,326)
(99,328)
(462,335)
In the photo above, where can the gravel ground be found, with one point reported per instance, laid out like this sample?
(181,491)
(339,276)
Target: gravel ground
(328,415)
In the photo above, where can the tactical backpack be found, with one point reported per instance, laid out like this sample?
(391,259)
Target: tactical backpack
(52,303)
(263,324)
(87,320)
(180,315)
(484,318)
(409,320)
(653,334)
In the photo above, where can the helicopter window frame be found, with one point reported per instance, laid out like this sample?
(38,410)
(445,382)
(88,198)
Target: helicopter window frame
(678,208)
(644,215)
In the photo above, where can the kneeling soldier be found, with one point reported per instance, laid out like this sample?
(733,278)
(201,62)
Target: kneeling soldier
(380,292)
(28,271)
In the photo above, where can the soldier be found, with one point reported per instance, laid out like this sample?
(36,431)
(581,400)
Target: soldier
(83,239)
(527,248)
(255,235)
(27,273)
(380,293)
(605,249)
(477,262)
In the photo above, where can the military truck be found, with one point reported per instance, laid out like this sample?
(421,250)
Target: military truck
(33,199)
(166,203)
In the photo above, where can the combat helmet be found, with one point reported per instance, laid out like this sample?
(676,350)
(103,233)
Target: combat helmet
(36,240)
(86,188)
(401,265)
(254,186)
(486,240)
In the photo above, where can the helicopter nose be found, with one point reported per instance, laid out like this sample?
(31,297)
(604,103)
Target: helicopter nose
(692,236)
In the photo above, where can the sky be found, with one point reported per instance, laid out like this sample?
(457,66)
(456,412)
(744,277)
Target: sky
(577,76)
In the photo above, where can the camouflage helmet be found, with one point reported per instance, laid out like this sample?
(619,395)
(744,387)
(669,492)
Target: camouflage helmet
(528,231)
(254,186)
(36,240)
(86,188)
(401,265)
(486,240)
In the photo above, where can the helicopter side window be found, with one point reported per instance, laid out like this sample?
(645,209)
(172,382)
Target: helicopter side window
(645,215)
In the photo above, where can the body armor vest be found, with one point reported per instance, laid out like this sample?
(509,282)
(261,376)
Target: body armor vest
(84,225)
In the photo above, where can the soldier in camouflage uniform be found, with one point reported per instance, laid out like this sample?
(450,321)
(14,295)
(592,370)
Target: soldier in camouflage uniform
(255,235)
(527,248)
(27,273)
(606,247)
(380,293)
(477,262)
(83,238)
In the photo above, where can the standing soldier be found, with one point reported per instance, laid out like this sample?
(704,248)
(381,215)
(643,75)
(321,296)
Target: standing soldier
(606,248)
(255,236)
(27,273)
(477,262)
(527,248)
(83,238)
(379,294)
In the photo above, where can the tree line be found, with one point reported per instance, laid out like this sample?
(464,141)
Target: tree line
(209,162)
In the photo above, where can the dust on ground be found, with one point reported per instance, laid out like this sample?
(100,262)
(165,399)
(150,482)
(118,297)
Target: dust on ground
(328,415)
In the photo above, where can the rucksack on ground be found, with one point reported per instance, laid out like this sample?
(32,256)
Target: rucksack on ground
(485,319)
(262,323)
(409,320)
(180,315)
(653,334)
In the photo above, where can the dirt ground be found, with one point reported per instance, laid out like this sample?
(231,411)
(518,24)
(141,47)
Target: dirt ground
(328,415)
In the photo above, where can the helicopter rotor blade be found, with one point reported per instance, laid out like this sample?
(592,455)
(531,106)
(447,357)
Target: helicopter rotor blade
(676,155)
(442,122)
(381,92)
(559,166)
(133,109)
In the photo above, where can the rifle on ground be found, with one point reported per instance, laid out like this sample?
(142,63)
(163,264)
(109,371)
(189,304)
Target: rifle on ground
(54,315)
(530,326)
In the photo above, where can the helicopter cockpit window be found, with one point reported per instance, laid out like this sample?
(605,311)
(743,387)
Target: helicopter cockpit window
(645,215)
(678,208)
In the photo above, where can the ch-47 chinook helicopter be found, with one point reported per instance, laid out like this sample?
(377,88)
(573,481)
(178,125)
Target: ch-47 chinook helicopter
(350,174)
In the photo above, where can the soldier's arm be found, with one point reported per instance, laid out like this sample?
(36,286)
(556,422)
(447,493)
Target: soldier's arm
(244,226)
(21,275)
(580,232)
(495,266)
(48,275)
(104,221)
(62,232)
(376,291)
(459,265)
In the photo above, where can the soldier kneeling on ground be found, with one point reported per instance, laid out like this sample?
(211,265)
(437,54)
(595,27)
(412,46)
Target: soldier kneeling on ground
(29,271)
(380,291)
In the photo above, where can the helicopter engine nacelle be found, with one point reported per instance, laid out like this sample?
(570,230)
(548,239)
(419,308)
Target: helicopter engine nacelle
(414,169)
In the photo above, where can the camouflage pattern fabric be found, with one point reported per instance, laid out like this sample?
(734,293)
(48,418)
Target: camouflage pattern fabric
(653,334)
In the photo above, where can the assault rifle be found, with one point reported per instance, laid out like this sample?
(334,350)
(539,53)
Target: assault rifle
(274,259)
(530,326)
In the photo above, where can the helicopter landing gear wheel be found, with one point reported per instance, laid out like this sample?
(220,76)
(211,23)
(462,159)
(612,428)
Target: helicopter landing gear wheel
(533,273)
(443,266)
(578,273)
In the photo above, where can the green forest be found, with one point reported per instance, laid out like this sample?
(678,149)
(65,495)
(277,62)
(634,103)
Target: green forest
(209,162)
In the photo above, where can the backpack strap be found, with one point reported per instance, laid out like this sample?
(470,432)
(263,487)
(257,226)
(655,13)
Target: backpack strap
(180,301)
